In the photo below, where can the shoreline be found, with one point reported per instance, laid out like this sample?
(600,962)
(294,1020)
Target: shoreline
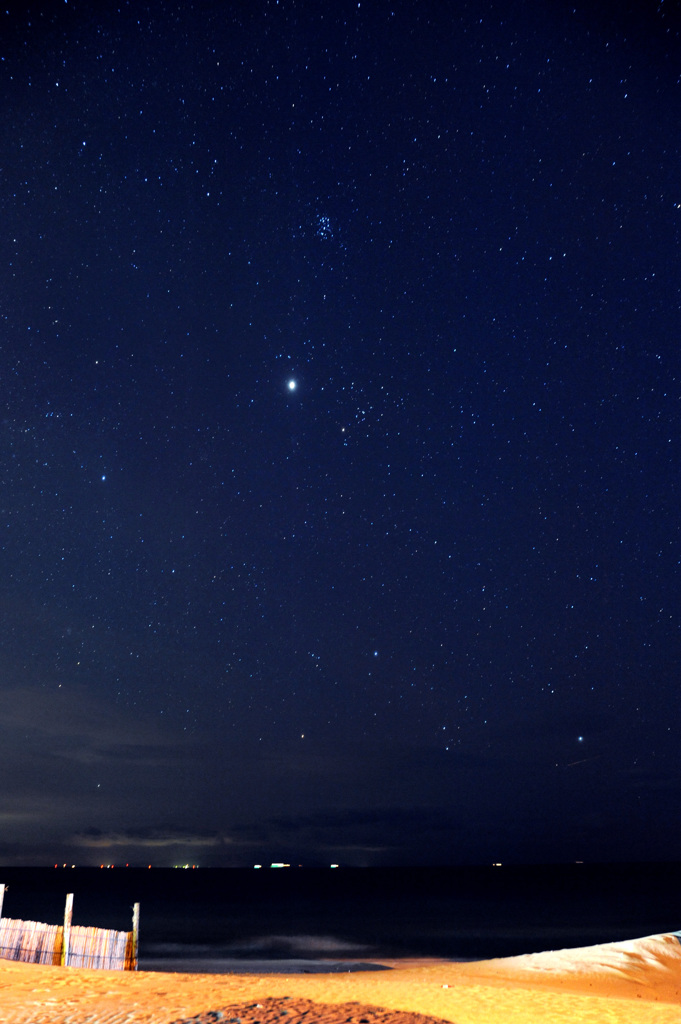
(633,982)
(288,965)
(233,965)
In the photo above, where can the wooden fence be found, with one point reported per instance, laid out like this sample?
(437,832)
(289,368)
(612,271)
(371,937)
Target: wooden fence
(68,945)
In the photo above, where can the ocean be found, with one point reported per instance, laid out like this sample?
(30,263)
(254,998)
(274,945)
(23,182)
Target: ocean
(217,918)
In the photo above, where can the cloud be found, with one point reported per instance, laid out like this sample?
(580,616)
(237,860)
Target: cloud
(71,760)
(151,838)
(70,720)
(82,774)
(353,835)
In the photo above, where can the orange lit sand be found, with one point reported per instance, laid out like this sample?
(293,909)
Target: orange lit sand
(637,982)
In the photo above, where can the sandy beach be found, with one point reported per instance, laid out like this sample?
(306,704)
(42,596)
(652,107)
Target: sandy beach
(633,982)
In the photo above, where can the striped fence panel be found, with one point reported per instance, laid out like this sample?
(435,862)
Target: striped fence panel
(97,947)
(30,941)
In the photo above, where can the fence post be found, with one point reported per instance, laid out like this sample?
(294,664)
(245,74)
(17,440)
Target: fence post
(68,914)
(135,933)
(2,895)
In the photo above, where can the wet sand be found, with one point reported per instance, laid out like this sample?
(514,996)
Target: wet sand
(636,982)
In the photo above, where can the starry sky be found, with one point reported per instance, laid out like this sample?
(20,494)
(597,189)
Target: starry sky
(340,432)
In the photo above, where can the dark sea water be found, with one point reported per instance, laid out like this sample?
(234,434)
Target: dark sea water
(215,915)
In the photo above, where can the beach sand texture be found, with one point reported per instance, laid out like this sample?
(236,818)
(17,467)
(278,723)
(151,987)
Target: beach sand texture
(634,982)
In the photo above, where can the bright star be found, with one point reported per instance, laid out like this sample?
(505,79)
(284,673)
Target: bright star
(292,385)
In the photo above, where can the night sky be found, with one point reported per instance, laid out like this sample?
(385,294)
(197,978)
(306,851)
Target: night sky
(340,432)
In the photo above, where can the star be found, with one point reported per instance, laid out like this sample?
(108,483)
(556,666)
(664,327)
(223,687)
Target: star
(292,385)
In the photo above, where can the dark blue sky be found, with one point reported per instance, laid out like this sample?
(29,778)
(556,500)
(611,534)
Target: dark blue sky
(423,607)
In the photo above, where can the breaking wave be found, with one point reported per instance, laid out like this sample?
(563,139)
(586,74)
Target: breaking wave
(261,946)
